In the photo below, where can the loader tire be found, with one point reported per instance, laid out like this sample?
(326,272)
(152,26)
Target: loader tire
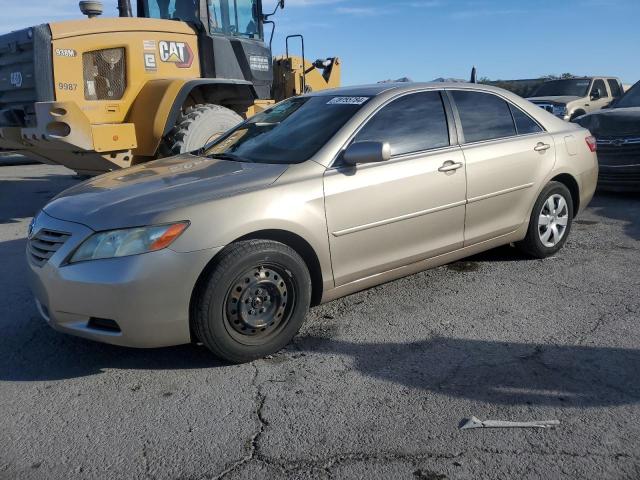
(196,127)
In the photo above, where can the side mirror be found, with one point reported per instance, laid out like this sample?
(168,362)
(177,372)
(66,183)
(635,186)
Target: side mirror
(595,94)
(281,3)
(367,152)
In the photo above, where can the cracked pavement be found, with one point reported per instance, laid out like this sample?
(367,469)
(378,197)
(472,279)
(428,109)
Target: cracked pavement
(375,385)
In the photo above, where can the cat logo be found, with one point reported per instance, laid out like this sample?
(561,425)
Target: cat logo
(179,53)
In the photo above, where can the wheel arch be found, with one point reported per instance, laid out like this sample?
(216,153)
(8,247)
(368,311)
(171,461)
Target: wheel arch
(572,184)
(293,240)
(577,113)
(303,248)
(237,95)
(169,96)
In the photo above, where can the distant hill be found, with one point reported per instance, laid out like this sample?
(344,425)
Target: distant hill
(452,80)
(400,80)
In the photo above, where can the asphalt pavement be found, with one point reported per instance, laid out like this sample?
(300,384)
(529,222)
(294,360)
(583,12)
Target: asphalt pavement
(375,386)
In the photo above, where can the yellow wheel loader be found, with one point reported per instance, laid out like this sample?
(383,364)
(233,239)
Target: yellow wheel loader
(98,94)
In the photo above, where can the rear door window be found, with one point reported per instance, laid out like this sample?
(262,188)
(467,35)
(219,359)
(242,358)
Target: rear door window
(484,116)
(412,123)
(614,86)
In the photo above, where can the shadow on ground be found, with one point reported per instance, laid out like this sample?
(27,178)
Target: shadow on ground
(618,206)
(38,353)
(497,372)
(22,197)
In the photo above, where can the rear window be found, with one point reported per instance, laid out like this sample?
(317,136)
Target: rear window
(631,98)
(524,123)
(483,116)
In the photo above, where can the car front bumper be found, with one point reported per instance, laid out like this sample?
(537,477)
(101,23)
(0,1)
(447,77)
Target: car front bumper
(146,296)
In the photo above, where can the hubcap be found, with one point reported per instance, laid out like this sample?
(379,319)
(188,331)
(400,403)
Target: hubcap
(259,303)
(553,220)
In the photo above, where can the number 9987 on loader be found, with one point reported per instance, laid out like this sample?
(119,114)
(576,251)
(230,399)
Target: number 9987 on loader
(99,94)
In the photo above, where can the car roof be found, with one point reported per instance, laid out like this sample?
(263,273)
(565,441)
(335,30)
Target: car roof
(379,88)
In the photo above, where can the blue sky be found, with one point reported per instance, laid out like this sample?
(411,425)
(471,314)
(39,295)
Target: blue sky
(425,39)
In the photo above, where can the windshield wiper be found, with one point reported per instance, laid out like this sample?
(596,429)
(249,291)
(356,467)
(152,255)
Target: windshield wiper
(229,156)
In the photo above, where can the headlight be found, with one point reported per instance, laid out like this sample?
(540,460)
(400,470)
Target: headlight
(105,74)
(560,110)
(129,241)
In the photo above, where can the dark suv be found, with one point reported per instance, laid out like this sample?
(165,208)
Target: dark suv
(617,130)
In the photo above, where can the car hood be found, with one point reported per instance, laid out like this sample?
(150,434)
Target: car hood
(563,100)
(613,122)
(147,193)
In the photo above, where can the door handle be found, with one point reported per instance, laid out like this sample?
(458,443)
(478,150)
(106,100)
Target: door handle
(450,166)
(541,147)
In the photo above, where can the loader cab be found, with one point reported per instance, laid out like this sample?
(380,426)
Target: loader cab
(233,18)
(230,37)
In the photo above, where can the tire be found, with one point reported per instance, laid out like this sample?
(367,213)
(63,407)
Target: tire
(545,239)
(577,114)
(253,301)
(197,126)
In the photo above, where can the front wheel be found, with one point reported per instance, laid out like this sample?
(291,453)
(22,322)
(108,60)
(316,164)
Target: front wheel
(550,222)
(198,126)
(253,302)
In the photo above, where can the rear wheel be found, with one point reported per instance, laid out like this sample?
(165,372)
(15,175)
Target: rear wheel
(550,221)
(253,302)
(197,126)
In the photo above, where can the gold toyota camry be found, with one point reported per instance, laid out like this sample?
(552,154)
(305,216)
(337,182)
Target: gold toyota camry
(315,198)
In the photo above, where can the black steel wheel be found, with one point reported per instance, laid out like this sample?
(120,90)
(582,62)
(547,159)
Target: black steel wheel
(259,303)
(253,301)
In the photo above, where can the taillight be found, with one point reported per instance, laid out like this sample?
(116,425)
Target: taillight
(591,143)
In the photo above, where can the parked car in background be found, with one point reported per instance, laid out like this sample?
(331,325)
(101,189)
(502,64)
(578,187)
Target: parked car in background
(313,199)
(569,98)
(617,130)
(522,87)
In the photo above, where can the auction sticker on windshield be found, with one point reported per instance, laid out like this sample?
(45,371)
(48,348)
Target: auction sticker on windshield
(347,100)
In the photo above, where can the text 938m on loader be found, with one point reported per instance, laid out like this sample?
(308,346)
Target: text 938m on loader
(99,94)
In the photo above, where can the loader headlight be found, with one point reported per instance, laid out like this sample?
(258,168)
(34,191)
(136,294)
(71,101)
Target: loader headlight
(104,74)
(112,55)
(128,241)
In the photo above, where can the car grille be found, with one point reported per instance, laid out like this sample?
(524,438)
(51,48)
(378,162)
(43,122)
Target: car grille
(44,244)
(619,151)
(546,106)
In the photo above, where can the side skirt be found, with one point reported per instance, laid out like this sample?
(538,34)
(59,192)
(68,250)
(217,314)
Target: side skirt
(422,265)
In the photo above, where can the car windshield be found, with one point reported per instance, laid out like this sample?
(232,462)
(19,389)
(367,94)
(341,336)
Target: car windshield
(631,98)
(290,132)
(560,88)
